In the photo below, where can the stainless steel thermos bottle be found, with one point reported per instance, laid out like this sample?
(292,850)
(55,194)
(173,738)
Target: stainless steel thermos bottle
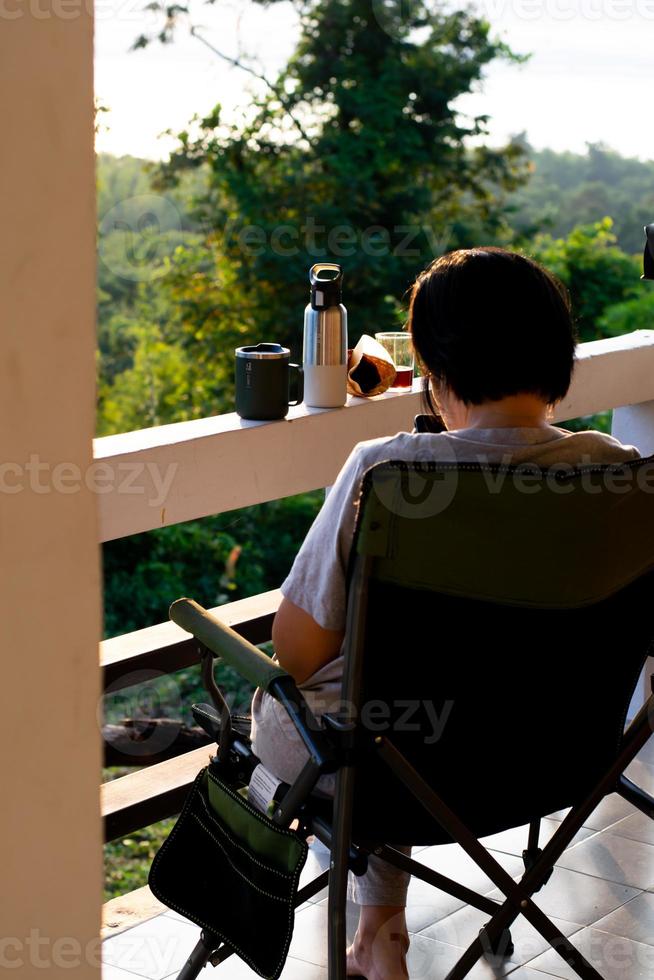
(325,339)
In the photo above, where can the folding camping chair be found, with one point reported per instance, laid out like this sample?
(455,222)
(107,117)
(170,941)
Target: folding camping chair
(521,601)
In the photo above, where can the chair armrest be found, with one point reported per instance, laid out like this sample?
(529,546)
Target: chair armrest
(243,656)
(261,671)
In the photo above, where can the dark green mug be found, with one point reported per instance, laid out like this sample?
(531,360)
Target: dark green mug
(263,377)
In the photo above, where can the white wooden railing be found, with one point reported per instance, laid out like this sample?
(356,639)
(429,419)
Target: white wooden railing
(172,473)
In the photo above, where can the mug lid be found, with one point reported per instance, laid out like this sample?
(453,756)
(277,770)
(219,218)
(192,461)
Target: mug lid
(263,351)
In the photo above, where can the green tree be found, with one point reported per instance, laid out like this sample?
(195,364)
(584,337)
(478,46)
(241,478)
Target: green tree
(355,152)
(166,349)
(597,272)
(569,189)
(215,560)
(633,314)
(154,389)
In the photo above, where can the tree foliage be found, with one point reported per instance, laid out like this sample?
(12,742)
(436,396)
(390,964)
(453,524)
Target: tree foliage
(597,273)
(217,559)
(355,153)
(569,189)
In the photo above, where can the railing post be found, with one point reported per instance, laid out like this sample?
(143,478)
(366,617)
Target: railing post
(50,603)
(634,425)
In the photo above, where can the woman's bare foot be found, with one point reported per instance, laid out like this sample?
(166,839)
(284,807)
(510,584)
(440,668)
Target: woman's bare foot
(380,944)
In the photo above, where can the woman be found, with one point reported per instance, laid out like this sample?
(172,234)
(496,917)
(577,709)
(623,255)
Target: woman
(495,338)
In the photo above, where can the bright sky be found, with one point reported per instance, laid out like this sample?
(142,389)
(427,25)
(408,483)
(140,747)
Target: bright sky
(589,78)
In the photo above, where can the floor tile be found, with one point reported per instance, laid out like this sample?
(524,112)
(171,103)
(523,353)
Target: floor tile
(581,898)
(236,969)
(176,915)
(427,958)
(613,858)
(317,861)
(153,949)
(642,774)
(614,957)
(115,973)
(431,960)
(611,809)
(637,827)
(646,754)
(635,920)
(307,957)
(300,970)
(452,861)
(460,928)
(528,974)
(310,934)
(515,841)
(426,904)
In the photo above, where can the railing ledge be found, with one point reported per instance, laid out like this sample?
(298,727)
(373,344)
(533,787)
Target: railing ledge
(172,473)
(119,914)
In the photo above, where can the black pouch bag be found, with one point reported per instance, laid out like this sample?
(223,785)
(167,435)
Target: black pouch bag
(231,870)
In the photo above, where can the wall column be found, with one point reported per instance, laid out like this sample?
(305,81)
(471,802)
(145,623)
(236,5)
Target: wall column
(50,610)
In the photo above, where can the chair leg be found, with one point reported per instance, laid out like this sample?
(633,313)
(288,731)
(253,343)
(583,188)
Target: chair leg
(532,852)
(636,796)
(562,945)
(518,895)
(199,956)
(398,860)
(498,949)
(338,872)
(547,929)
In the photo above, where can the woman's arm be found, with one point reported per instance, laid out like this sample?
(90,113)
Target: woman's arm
(309,626)
(301,645)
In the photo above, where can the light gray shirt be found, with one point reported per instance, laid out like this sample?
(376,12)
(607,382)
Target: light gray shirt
(316,582)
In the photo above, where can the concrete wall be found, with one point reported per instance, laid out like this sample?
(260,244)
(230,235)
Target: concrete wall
(50,854)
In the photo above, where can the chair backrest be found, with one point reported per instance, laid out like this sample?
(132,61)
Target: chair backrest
(498,620)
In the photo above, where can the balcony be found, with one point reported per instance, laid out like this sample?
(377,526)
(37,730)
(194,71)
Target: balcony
(603,889)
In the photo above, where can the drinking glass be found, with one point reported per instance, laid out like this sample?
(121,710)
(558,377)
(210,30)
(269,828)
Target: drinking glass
(399,346)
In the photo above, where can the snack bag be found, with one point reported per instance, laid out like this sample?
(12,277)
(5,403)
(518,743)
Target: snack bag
(370,370)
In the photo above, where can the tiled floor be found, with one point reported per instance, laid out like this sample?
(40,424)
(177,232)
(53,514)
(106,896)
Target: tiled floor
(601,894)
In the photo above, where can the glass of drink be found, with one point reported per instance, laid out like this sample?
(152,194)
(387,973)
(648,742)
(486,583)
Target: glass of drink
(399,346)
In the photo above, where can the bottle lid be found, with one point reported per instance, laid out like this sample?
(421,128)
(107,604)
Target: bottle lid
(326,280)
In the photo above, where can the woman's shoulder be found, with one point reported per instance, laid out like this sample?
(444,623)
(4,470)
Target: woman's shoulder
(602,447)
(589,446)
(406,446)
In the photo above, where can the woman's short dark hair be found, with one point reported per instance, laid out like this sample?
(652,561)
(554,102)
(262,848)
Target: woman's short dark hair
(488,323)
